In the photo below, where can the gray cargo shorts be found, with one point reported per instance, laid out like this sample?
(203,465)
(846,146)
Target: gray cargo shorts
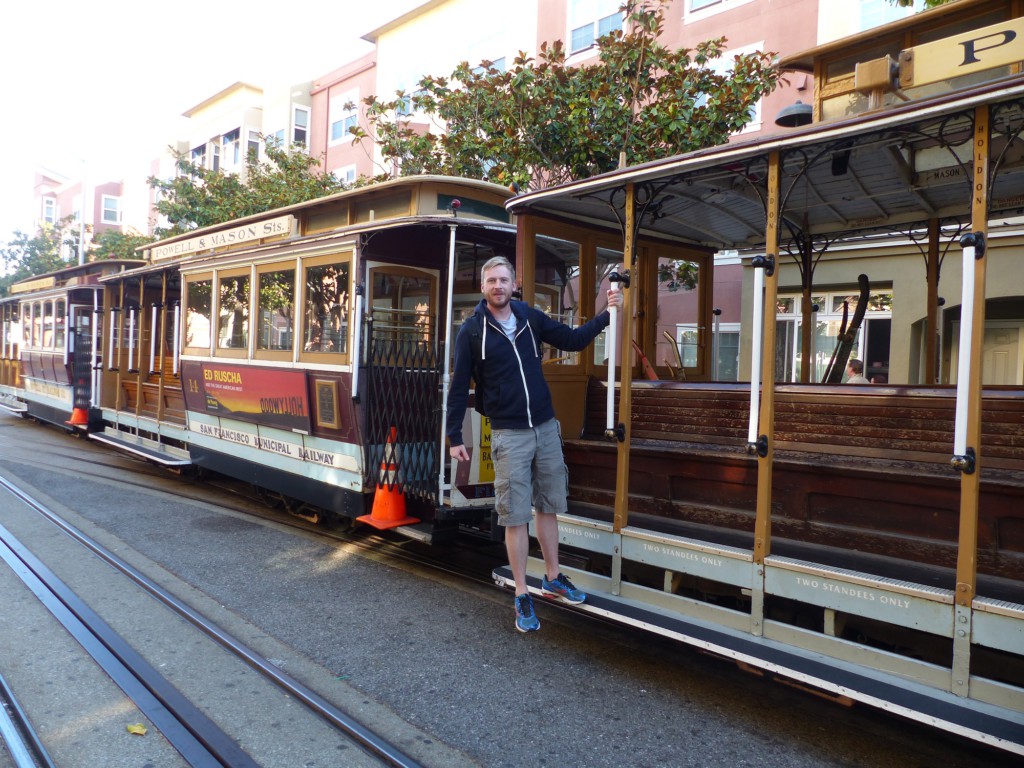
(529,471)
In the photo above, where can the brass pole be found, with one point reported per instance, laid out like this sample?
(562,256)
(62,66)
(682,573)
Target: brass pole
(160,363)
(970,482)
(626,368)
(766,420)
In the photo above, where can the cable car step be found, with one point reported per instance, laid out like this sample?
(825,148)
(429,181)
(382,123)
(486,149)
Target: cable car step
(166,455)
(13,405)
(994,725)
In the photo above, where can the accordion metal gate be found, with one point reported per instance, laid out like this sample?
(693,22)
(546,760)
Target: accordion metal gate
(403,417)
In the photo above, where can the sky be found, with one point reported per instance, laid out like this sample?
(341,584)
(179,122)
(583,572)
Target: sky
(98,85)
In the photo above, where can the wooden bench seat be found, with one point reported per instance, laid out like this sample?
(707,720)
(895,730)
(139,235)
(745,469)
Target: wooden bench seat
(146,400)
(129,396)
(862,468)
(902,423)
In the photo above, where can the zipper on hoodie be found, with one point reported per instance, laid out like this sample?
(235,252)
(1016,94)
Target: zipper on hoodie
(519,361)
(522,375)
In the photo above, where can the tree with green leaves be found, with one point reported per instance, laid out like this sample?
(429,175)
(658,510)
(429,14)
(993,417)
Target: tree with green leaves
(545,122)
(114,244)
(200,197)
(25,256)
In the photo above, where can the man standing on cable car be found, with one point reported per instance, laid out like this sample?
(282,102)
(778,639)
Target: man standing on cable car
(499,348)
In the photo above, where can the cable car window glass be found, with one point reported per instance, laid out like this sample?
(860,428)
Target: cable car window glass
(786,305)
(276,303)
(557,289)
(677,342)
(325,314)
(47,324)
(37,324)
(233,312)
(828,321)
(401,299)
(26,325)
(197,313)
(58,323)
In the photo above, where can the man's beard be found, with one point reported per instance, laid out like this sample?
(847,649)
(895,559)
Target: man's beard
(498,302)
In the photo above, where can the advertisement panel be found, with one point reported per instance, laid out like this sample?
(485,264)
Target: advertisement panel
(270,396)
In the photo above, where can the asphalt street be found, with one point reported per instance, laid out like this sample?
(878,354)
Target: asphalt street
(424,651)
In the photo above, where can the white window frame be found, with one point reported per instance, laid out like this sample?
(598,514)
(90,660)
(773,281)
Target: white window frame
(681,330)
(721,65)
(580,13)
(198,155)
(885,12)
(296,111)
(112,204)
(826,314)
(50,210)
(346,174)
(405,106)
(500,63)
(337,113)
(231,148)
(716,7)
(253,143)
(723,328)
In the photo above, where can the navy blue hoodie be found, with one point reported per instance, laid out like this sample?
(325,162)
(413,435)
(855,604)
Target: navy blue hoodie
(515,394)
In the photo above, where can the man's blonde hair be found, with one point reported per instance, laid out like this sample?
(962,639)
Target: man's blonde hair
(497,261)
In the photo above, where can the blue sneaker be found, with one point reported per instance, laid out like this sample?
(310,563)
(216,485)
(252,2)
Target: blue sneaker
(562,589)
(526,619)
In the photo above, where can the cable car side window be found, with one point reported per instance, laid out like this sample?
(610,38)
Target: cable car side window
(557,289)
(47,324)
(198,305)
(59,320)
(26,325)
(233,312)
(325,314)
(37,324)
(275,308)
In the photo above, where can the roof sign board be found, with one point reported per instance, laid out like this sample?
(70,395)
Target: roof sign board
(26,286)
(974,51)
(222,238)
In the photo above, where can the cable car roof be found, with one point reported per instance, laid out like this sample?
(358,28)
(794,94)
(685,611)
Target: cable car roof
(886,171)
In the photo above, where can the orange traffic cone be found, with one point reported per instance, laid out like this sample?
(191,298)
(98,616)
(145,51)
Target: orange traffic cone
(388,502)
(79,418)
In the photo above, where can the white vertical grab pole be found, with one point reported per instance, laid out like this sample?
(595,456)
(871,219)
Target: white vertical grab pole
(357,337)
(152,341)
(96,331)
(716,343)
(113,330)
(963,368)
(446,376)
(755,355)
(177,336)
(68,343)
(131,339)
(813,352)
(611,344)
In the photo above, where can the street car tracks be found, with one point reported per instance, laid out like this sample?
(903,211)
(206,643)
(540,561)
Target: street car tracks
(193,734)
